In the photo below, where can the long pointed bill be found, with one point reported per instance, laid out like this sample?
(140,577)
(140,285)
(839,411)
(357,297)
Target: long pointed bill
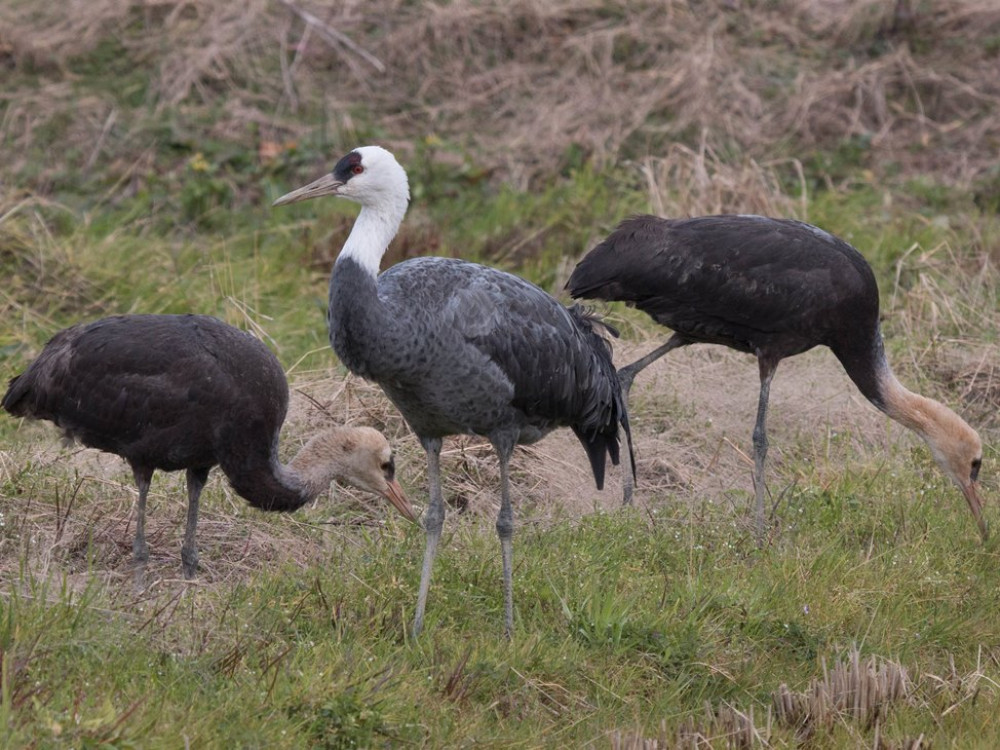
(976,506)
(394,494)
(325,185)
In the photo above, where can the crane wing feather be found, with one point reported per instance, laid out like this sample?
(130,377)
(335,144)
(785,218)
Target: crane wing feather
(485,341)
(464,348)
(734,280)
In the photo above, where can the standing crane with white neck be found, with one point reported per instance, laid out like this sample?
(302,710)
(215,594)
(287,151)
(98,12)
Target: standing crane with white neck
(461,348)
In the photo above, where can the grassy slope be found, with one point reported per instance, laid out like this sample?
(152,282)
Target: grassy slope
(620,625)
(661,623)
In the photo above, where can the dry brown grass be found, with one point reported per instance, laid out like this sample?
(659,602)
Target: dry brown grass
(692,421)
(862,691)
(855,691)
(517,84)
(41,277)
(694,410)
(688,182)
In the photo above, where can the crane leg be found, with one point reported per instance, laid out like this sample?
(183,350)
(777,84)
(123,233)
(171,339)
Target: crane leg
(196,479)
(767,369)
(505,531)
(625,376)
(140,550)
(433,521)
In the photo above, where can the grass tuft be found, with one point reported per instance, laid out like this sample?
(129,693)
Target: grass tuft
(143,144)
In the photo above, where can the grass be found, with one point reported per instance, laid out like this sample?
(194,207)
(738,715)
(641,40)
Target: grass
(624,622)
(663,624)
(867,619)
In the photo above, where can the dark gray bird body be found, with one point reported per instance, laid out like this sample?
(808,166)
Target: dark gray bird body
(175,392)
(754,284)
(165,392)
(461,348)
(773,288)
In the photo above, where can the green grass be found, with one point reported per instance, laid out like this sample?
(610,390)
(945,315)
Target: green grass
(628,624)
(661,623)
(622,622)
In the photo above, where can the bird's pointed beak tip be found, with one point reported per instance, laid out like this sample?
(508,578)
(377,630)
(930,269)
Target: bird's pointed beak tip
(395,495)
(976,506)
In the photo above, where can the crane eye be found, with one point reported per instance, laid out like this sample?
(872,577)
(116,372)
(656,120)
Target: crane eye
(389,469)
(357,169)
(974,474)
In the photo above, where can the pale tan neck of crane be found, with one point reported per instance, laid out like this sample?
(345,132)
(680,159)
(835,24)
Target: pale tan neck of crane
(941,428)
(913,411)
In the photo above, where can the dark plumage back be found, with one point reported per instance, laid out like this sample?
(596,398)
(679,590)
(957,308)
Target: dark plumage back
(162,391)
(748,282)
(643,252)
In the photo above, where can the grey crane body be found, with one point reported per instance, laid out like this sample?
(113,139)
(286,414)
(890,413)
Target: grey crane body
(461,348)
(466,349)
(174,392)
(773,288)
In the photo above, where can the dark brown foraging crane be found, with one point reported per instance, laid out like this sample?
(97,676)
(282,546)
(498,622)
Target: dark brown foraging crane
(773,288)
(188,392)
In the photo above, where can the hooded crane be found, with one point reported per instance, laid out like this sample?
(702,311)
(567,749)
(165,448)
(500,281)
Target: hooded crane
(188,392)
(772,288)
(461,348)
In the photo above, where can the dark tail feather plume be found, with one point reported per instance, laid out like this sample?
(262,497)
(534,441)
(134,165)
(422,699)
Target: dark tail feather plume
(598,447)
(603,441)
(11,399)
(590,320)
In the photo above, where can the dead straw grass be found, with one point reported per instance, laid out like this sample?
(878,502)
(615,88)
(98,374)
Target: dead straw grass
(692,419)
(41,276)
(855,691)
(688,182)
(862,691)
(518,84)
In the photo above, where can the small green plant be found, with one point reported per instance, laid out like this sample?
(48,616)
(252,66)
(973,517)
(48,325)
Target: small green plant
(601,618)
(204,193)
(345,721)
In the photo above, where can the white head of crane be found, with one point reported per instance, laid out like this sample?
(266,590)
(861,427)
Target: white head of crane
(371,176)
